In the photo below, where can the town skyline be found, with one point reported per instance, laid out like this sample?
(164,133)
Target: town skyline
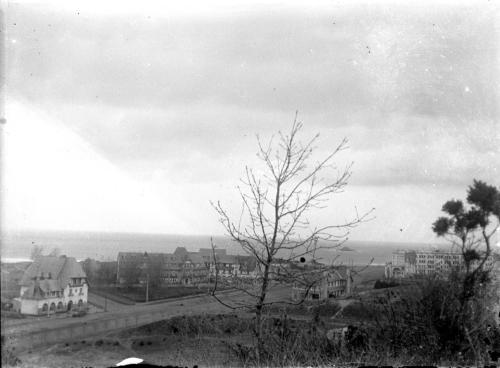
(164,118)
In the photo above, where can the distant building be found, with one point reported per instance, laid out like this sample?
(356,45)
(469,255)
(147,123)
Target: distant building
(225,265)
(331,283)
(52,284)
(180,267)
(207,254)
(249,268)
(423,262)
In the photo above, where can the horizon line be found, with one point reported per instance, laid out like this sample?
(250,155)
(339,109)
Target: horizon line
(108,232)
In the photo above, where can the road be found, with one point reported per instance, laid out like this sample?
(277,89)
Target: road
(45,331)
(106,303)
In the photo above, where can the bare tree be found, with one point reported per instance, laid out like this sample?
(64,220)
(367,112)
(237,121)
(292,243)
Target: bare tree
(274,225)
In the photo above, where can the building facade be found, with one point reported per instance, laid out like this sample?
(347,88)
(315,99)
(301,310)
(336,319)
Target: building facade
(406,263)
(178,268)
(52,285)
(331,283)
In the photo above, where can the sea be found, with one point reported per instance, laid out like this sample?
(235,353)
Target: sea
(17,246)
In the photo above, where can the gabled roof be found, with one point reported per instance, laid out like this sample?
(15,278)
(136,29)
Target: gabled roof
(336,275)
(341,271)
(180,251)
(33,292)
(226,258)
(51,271)
(170,258)
(208,252)
(127,256)
(195,258)
(49,285)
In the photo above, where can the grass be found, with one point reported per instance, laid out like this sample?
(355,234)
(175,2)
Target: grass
(218,340)
(365,277)
(110,293)
(138,294)
(323,309)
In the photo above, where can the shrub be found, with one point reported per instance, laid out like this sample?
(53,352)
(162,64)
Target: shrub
(8,356)
(433,319)
(381,284)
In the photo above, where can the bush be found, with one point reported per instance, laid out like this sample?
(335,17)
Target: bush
(8,356)
(433,319)
(381,284)
(323,309)
(12,314)
(199,325)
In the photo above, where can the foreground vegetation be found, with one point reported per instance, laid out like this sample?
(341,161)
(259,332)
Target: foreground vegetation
(395,326)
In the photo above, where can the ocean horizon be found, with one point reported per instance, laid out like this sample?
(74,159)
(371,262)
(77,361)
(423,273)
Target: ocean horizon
(17,246)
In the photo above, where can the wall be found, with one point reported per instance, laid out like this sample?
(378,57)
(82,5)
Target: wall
(29,307)
(75,295)
(81,330)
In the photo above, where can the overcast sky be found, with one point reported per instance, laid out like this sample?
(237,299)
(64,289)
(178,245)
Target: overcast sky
(134,117)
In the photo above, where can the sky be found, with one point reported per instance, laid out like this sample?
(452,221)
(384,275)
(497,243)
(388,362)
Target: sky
(132,118)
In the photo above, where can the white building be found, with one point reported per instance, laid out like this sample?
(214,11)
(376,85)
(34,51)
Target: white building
(424,262)
(51,285)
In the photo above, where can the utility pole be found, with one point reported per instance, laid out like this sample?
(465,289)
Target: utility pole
(145,266)
(147,287)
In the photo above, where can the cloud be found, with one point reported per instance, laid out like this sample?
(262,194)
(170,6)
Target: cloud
(54,180)
(410,60)
(174,100)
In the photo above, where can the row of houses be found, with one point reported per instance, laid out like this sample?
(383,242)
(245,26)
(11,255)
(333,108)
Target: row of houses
(52,284)
(191,268)
(182,267)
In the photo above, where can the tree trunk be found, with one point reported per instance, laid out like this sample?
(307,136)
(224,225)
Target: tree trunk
(258,314)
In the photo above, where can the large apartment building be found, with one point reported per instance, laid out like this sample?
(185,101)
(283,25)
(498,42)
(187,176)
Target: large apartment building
(405,263)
